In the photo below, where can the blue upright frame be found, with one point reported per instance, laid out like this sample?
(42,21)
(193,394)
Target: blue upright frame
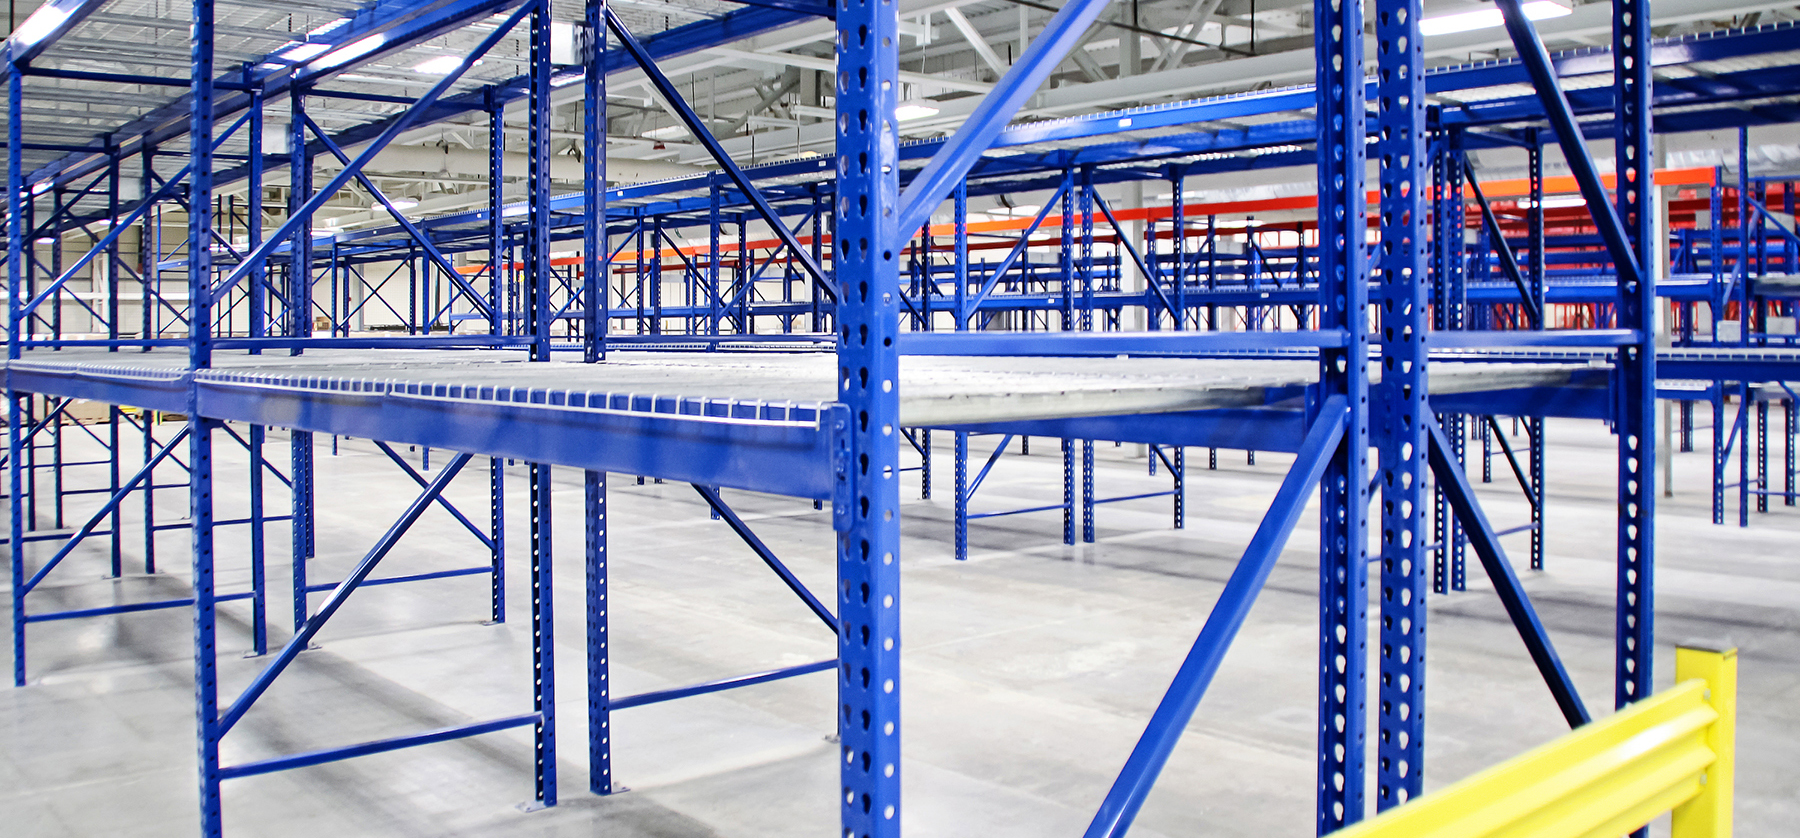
(848,452)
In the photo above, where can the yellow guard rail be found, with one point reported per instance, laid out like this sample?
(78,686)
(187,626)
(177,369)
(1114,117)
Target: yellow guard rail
(1670,752)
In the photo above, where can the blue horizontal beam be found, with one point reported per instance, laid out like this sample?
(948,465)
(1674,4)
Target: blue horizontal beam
(1112,344)
(1123,498)
(120,78)
(687,342)
(1246,429)
(775,448)
(129,608)
(153,390)
(438,341)
(1668,93)
(642,699)
(1726,365)
(1589,402)
(54,535)
(415,577)
(320,757)
(786,457)
(824,10)
(1003,513)
(1524,338)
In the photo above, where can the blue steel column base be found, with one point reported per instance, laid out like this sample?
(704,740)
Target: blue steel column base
(259,609)
(924,464)
(962,495)
(1535,427)
(543,646)
(497,540)
(14,462)
(599,666)
(1068,504)
(1179,471)
(1087,491)
(300,445)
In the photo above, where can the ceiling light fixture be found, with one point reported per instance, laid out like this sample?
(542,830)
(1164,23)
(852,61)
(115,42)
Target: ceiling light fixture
(325,27)
(1488,18)
(399,204)
(39,26)
(345,55)
(303,52)
(914,110)
(442,65)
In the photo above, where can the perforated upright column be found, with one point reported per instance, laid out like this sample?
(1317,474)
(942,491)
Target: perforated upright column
(864,251)
(199,318)
(1343,493)
(1398,428)
(1636,362)
(543,640)
(599,666)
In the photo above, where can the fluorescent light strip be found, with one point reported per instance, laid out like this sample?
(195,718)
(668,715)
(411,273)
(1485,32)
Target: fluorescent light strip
(345,55)
(39,26)
(1488,18)
(914,110)
(304,52)
(442,65)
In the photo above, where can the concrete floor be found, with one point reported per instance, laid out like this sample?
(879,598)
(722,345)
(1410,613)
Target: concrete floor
(1031,668)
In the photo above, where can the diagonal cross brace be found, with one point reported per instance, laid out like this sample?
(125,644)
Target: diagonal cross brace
(112,237)
(988,466)
(226,427)
(1139,775)
(1119,230)
(118,497)
(394,129)
(768,556)
(1012,255)
(363,568)
(1508,262)
(1562,118)
(672,97)
(958,154)
(423,484)
(411,229)
(1770,217)
(1512,460)
(1461,496)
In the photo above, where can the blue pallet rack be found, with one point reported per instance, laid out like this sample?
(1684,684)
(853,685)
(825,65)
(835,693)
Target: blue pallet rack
(260,300)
